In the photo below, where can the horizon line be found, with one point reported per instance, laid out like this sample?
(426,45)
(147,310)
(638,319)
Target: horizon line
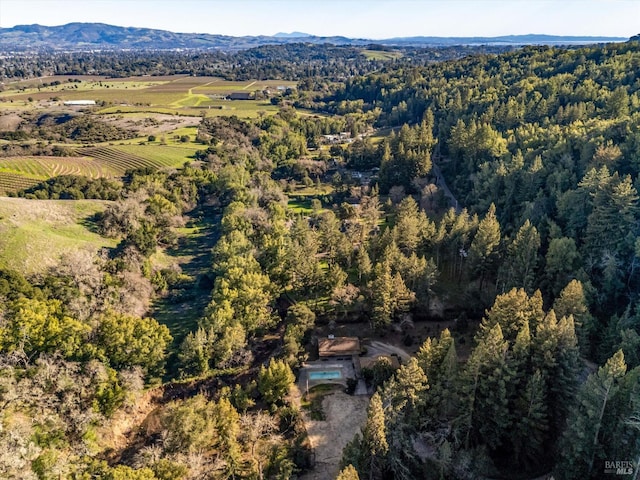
(305,34)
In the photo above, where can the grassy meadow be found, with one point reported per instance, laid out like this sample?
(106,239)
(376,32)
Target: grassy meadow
(35,233)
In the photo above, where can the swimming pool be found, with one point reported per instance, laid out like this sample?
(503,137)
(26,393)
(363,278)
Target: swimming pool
(325,375)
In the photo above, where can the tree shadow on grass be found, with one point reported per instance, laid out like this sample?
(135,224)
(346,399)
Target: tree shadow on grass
(92,222)
(186,302)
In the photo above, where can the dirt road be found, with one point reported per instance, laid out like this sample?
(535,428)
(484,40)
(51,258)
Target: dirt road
(440,182)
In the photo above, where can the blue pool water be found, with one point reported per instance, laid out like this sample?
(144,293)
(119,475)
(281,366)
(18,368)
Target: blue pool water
(325,375)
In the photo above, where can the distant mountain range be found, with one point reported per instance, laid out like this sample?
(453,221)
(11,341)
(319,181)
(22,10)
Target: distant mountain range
(99,36)
(292,35)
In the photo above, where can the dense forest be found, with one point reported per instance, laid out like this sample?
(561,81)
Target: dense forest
(496,192)
(286,62)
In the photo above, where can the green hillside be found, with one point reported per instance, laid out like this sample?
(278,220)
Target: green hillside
(35,233)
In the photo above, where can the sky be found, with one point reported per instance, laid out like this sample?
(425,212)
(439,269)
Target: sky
(372,19)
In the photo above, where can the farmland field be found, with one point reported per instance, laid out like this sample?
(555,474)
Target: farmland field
(381,54)
(17,173)
(179,94)
(212,108)
(35,233)
(167,108)
(12,182)
(161,155)
(120,160)
(43,167)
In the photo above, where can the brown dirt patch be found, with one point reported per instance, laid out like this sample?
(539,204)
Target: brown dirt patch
(345,415)
(129,423)
(10,122)
(152,123)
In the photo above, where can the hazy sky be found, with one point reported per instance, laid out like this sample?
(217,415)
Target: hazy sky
(353,18)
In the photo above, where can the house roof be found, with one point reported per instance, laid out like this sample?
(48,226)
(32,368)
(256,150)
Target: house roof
(335,347)
(80,102)
(240,95)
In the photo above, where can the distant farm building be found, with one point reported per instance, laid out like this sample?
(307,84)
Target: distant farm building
(240,96)
(342,137)
(338,347)
(80,103)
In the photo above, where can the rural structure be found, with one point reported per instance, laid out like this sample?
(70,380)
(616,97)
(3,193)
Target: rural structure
(240,96)
(80,103)
(338,347)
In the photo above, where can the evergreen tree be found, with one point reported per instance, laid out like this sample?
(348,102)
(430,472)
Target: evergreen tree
(611,225)
(512,310)
(522,258)
(388,294)
(243,294)
(519,363)
(374,440)
(555,355)
(403,398)
(404,394)
(274,381)
(348,473)
(581,441)
(572,301)
(410,223)
(303,266)
(228,428)
(562,384)
(620,436)
(562,264)
(485,415)
(483,253)
(421,276)
(528,435)
(439,361)
(195,353)
(363,263)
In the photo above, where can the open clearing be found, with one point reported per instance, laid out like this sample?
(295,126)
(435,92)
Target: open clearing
(193,255)
(381,54)
(376,348)
(35,233)
(155,124)
(344,415)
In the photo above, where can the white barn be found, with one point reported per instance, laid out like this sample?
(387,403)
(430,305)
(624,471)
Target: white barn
(80,103)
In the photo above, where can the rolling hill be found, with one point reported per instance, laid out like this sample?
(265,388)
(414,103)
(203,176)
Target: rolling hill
(34,234)
(86,36)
